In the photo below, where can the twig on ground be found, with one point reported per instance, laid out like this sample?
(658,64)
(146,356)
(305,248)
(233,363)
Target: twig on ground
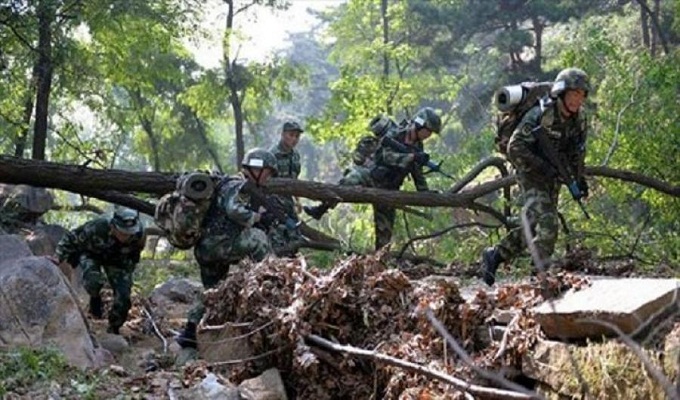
(247,359)
(155,329)
(458,349)
(487,392)
(506,337)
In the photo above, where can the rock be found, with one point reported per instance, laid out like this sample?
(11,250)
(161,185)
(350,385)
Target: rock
(185,356)
(13,247)
(116,344)
(27,199)
(267,386)
(180,290)
(209,389)
(37,308)
(43,239)
(630,304)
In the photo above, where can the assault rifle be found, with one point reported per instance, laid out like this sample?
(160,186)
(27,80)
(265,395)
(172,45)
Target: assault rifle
(404,148)
(550,155)
(276,212)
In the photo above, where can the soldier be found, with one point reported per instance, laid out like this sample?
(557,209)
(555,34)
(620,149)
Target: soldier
(389,166)
(114,245)
(229,231)
(561,117)
(288,166)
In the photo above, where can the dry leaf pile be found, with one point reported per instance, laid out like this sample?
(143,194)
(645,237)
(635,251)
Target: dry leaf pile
(363,303)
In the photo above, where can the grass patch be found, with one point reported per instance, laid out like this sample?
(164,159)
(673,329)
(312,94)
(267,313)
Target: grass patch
(610,369)
(23,367)
(150,273)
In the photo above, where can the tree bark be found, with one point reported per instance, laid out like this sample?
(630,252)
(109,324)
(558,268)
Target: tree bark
(46,15)
(230,80)
(84,180)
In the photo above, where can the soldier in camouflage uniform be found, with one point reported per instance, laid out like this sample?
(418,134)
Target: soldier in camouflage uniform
(229,231)
(389,167)
(288,166)
(562,118)
(113,245)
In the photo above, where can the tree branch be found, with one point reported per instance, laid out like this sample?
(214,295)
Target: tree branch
(488,393)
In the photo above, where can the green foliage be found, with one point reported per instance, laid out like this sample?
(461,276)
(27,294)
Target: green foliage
(23,366)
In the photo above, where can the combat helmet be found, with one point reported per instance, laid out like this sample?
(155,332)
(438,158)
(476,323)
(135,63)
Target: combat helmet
(260,158)
(126,221)
(570,78)
(427,118)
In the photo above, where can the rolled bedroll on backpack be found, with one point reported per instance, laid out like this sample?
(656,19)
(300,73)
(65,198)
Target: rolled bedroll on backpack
(510,96)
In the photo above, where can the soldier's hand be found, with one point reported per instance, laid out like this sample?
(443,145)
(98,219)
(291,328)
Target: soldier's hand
(421,158)
(583,186)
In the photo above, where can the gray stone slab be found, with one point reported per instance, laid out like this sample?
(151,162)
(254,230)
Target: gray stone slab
(13,247)
(627,303)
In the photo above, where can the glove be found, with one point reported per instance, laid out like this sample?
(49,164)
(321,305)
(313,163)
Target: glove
(583,186)
(292,223)
(421,158)
(575,190)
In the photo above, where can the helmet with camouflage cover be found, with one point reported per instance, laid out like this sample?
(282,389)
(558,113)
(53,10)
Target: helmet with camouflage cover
(260,158)
(570,78)
(428,118)
(126,221)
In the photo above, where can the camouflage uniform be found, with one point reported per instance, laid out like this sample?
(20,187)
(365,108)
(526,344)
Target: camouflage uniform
(281,235)
(386,169)
(228,237)
(537,177)
(93,247)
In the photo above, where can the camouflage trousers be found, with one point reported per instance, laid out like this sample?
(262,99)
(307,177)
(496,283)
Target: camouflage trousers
(120,280)
(542,215)
(285,241)
(216,253)
(383,216)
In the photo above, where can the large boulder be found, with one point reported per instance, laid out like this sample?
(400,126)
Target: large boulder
(43,239)
(13,247)
(38,308)
(26,199)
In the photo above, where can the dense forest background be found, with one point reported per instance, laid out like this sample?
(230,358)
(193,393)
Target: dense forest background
(113,84)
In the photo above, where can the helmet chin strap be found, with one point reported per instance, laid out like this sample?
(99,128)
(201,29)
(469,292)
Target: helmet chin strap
(257,176)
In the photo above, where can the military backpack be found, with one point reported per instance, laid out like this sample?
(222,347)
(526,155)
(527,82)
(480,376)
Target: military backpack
(512,103)
(180,214)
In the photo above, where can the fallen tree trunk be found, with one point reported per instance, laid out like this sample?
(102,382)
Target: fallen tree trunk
(117,183)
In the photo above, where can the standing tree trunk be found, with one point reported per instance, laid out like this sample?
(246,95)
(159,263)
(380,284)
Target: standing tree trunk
(386,56)
(538,44)
(46,16)
(232,85)
(28,112)
(644,28)
(147,125)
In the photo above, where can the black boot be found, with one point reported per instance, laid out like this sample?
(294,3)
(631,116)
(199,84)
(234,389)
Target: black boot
(96,307)
(316,212)
(491,259)
(187,339)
